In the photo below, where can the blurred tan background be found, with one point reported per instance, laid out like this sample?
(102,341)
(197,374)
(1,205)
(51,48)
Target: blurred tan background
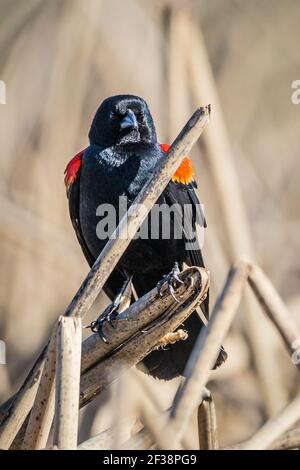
(59,59)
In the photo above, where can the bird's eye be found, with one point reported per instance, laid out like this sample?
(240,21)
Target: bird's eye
(115,116)
(139,115)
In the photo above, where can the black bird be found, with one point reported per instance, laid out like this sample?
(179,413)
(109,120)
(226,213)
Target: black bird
(122,154)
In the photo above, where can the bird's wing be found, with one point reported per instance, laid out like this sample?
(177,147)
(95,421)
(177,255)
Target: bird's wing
(189,216)
(188,213)
(72,182)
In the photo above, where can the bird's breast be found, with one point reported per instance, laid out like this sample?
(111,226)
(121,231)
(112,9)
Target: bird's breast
(109,183)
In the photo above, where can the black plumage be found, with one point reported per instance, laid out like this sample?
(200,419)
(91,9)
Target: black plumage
(122,154)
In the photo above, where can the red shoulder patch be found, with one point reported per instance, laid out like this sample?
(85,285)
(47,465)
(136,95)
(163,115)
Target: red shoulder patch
(72,169)
(184,173)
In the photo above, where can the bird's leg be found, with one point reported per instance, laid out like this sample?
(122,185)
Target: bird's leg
(172,280)
(120,303)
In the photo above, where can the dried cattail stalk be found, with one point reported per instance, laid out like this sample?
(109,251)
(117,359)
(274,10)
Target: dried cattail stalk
(41,416)
(273,428)
(289,440)
(68,358)
(206,349)
(228,189)
(136,318)
(136,348)
(207,423)
(276,310)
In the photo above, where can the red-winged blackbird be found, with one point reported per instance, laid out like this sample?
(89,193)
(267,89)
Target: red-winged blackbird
(122,154)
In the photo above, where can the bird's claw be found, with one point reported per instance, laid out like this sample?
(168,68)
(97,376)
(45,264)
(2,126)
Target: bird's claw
(111,312)
(109,315)
(96,327)
(171,279)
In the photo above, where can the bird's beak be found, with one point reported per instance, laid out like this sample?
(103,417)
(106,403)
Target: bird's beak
(129,121)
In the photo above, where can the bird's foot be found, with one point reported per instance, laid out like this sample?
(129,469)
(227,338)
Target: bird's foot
(172,281)
(111,312)
(109,315)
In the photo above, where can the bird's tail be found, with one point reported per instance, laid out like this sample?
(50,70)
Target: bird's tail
(169,363)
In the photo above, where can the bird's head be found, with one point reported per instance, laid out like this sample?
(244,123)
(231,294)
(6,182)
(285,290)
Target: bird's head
(121,120)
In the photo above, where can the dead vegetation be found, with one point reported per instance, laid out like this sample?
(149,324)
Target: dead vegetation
(43,266)
(60,363)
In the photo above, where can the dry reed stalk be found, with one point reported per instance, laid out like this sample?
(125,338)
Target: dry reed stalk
(136,348)
(143,440)
(102,441)
(136,318)
(108,258)
(207,423)
(146,309)
(122,397)
(273,428)
(177,90)
(143,394)
(222,316)
(41,416)
(228,190)
(156,425)
(206,348)
(20,404)
(68,359)
(152,415)
(276,310)
(133,350)
(198,368)
(289,440)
